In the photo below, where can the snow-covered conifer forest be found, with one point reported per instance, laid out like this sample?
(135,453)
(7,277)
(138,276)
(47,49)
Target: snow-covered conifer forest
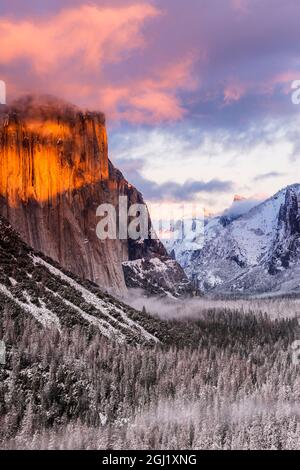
(224,380)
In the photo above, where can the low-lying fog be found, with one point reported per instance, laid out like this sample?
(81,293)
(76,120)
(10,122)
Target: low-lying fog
(169,308)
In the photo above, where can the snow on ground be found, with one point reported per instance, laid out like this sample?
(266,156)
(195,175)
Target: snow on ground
(41,314)
(105,328)
(236,253)
(104,306)
(256,231)
(137,265)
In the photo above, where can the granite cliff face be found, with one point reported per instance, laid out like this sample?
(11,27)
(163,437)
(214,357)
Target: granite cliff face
(286,249)
(54,173)
(48,150)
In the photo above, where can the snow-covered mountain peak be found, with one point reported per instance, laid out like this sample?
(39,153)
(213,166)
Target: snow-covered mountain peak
(253,252)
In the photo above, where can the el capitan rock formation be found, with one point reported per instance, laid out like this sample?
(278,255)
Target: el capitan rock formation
(54,173)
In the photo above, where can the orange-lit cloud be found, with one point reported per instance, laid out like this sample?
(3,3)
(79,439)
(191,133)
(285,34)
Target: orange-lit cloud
(135,59)
(89,33)
(69,53)
(151,99)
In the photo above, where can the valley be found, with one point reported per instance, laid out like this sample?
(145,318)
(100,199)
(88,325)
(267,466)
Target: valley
(109,344)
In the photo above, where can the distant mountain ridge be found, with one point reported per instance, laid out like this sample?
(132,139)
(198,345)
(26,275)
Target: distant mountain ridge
(255,253)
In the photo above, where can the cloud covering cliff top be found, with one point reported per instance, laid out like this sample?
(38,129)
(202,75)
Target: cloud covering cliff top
(44,107)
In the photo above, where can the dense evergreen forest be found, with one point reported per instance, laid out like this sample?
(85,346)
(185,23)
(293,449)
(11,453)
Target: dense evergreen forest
(224,380)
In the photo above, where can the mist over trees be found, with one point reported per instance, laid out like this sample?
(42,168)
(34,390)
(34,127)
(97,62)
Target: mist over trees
(222,381)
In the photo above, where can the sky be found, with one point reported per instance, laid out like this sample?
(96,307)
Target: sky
(197,93)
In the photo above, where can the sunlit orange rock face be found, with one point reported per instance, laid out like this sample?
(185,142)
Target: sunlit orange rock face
(54,173)
(44,155)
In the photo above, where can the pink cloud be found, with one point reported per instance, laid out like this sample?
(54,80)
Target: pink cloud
(234,91)
(69,54)
(284,79)
(151,99)
(89,33)
(136,62)
(241,6)
(140,99)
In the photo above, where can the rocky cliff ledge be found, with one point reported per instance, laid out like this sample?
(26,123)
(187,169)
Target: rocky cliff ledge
(54,173)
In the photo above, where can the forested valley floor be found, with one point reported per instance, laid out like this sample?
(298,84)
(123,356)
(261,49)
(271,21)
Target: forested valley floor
(224,380)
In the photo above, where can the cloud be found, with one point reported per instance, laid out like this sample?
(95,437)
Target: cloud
(90,35)
(151,99)
(83,54)
(187,191)
(241,6)
(257,159)
(271,174)
(234,91)
(242,206)
(170,190)
(139,62)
